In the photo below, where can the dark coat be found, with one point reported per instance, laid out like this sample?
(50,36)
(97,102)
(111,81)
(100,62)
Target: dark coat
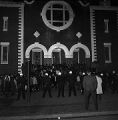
(89,83)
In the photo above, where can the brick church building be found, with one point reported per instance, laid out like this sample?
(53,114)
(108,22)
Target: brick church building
(50,32)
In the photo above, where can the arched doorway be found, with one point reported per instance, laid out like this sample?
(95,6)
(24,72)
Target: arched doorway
(79,46)
(37,56)
(58,56)
(36,53)
(79,56)
(36,45)
(58,52)
(79,60)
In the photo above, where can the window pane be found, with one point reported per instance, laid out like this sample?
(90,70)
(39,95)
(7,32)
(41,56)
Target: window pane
(58,24)
(5,23)
(58,15)
(106,53)
(5,50)
(48,14)
(66,15)
(57,6)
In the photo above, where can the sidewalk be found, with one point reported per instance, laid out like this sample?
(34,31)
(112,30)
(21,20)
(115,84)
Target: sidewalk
(53,107)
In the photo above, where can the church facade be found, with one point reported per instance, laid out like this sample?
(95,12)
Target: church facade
(57,32)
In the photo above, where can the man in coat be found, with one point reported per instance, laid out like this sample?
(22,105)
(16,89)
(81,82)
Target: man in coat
(72,82)
(21,82)
(90,86)
(60,84)
(47,85)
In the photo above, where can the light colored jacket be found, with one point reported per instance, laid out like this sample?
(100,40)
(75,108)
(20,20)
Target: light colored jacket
(99,85)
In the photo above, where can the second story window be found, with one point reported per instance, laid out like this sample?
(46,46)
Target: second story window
(5,23)
(106,25)
(57,15)
(4,52)
(107,52)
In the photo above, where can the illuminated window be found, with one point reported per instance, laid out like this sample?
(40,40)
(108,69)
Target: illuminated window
(5,23)
(106,22)
(4,52)
(57,15)
(107,51)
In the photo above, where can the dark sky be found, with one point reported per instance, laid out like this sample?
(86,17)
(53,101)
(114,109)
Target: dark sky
(92,2)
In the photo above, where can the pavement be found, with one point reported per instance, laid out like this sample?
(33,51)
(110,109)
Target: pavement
(56,107)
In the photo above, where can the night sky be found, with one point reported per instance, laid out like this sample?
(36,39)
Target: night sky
(92,2)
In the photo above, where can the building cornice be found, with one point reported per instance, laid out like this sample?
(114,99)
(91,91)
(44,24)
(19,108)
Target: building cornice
(11,4)
(103,7)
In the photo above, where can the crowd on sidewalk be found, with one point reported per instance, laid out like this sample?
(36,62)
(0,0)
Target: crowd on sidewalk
(48,78)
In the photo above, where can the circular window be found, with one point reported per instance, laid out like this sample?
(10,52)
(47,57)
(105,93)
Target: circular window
(57,15)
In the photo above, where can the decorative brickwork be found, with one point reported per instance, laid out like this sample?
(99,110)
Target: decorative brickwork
(20,37)
(93,35)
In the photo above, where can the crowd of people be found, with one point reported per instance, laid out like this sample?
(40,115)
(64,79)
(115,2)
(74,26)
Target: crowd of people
(59,77)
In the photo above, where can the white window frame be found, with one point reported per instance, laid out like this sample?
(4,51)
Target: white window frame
(5,23)
(108,45)
(48,23)
(106,25)
(4,44)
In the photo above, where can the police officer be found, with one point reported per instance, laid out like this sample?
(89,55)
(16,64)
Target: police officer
(71,80)
(47,85)
(60,83)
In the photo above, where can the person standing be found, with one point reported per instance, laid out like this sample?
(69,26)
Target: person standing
(99,90)
(47,85)
(90,86)
(60,84)
(7,85)
(21,82)
(72,81)
(114,82)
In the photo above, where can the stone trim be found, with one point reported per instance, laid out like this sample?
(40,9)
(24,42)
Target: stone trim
(58,45)
(93,35)
(20,38)
(10,4)
(35,45)
(79,45)
(103,8)
(43,14)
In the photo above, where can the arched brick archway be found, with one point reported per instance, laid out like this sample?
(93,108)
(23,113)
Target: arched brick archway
(61,46)
(35,45)
(87,60)
(79,45)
